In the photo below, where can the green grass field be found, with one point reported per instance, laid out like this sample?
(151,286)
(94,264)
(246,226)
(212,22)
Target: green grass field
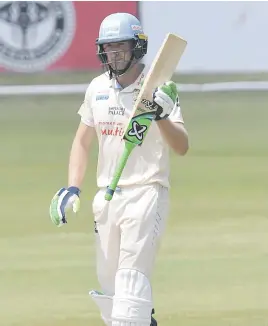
(212,268)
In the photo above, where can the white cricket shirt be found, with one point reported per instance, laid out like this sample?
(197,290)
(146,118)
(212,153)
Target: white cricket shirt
(107,108)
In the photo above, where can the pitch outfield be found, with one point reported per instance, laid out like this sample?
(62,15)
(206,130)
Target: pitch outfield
(212,268)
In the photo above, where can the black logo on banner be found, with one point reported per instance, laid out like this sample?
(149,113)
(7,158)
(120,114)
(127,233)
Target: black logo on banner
(34,34)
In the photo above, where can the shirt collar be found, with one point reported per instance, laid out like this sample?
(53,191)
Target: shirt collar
(130,88)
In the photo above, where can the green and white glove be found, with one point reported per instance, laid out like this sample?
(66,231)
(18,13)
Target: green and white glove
(165,96)
(63,201)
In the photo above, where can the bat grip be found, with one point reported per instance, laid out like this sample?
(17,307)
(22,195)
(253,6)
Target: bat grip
(119,169)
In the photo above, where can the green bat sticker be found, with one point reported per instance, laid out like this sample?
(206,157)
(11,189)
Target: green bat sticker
(138,128)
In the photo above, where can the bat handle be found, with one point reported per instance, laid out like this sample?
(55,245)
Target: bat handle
(119,169)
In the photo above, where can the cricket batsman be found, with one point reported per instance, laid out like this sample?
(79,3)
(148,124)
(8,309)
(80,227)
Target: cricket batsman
(128,229)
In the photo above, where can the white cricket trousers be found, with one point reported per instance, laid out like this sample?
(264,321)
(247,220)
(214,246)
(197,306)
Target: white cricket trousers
(128,230)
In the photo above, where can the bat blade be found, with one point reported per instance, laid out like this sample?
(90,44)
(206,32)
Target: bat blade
(161,70)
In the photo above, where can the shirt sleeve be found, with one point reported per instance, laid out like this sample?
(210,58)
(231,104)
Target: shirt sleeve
(176,115)
(85,110)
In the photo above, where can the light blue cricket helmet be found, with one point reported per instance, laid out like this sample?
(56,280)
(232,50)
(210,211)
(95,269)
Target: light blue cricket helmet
(121,27)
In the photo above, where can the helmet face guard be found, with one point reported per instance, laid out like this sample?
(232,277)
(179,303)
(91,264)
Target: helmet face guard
(117,28)
(138,50)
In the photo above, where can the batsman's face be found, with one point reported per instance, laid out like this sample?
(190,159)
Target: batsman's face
(118,54)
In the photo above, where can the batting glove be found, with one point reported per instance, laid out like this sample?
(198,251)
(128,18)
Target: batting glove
(165,96)
(64,200)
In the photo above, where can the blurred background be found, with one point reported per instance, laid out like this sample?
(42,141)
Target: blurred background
(212,267)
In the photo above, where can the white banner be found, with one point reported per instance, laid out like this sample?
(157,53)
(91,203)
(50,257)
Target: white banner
(81,88)
(222,36)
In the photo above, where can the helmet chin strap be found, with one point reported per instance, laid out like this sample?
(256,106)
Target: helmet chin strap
(116,72)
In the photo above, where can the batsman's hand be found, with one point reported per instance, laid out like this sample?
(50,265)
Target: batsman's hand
(63,201)
(165,96)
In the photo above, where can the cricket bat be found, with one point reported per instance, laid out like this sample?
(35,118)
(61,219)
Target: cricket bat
(161,70)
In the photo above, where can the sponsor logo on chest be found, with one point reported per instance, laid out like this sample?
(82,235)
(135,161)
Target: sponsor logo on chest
(102,97)
(115,110)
